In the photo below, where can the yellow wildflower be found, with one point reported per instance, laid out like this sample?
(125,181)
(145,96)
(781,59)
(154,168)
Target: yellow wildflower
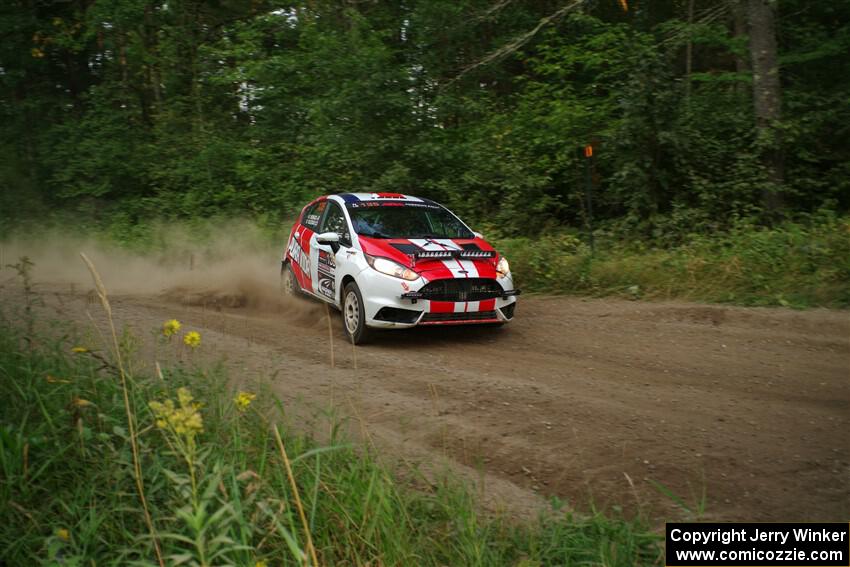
(192,339)
(184,420)
(261,564)
(184,397)
(79,350)
(243,400)
(170,327)
(63,534)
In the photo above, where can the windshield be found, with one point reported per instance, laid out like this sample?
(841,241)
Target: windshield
(405,220)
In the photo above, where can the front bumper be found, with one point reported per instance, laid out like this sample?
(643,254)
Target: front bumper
(391,303)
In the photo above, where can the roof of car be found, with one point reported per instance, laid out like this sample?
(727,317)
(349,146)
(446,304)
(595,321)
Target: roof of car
(358,197)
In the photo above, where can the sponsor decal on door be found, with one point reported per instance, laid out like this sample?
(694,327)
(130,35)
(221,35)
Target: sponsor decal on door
(327,274)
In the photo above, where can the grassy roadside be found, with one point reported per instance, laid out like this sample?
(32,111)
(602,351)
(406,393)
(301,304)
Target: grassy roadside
(85,448)
(791,265)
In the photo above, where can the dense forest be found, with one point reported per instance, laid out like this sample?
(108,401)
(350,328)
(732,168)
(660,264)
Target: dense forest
(697,111)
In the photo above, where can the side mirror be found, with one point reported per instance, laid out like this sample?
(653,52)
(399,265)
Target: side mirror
(329,239)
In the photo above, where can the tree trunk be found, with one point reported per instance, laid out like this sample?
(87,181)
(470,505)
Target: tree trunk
(767,98)
(689,52)
(150,43)
(739,30)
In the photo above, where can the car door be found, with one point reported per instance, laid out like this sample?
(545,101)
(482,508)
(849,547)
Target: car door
(324,259)
(300,245)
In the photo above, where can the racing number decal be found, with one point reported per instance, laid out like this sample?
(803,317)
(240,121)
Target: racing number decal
(327,274)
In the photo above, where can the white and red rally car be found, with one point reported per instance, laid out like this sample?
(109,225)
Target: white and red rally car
(388,260)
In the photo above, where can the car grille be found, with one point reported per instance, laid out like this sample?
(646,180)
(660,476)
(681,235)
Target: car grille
(458,317)
(462,289)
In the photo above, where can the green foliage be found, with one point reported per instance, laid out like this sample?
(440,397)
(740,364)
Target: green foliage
(146,108)
(216,483)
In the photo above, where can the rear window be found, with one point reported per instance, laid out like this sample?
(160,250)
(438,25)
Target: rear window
(313,215)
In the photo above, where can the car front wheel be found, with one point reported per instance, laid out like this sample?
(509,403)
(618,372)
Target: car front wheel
(354,314)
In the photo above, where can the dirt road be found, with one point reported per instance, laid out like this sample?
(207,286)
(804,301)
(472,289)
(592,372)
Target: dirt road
(742,412)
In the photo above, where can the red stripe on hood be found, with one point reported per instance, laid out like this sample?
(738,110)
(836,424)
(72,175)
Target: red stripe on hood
(430,269)
(486,268)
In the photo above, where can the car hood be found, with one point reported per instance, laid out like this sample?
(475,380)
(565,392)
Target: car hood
(402,250)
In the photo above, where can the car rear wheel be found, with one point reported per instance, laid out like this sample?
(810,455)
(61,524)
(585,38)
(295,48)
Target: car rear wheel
(354,315)
(288,283)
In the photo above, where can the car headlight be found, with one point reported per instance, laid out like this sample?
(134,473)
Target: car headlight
(503,269)
(390,268)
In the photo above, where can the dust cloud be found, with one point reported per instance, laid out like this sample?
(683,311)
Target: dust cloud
(231,264)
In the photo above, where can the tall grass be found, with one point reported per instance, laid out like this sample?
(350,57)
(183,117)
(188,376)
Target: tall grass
(792,265)
(222,486)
